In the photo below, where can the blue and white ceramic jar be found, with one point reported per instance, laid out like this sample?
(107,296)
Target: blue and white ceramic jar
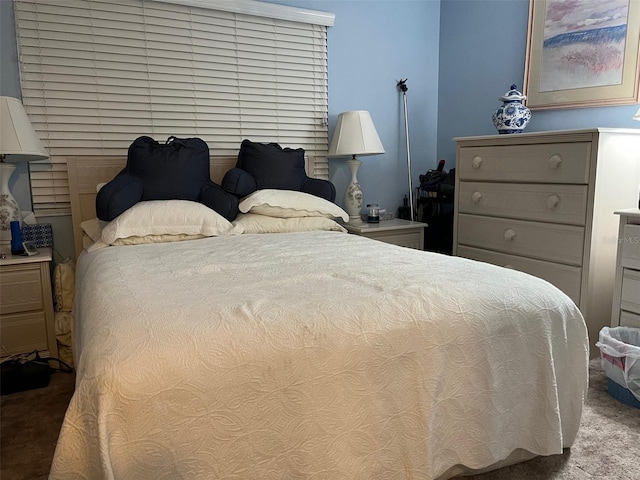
(512,116)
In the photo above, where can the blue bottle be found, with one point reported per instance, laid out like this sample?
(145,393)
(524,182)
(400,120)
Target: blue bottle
(16,238)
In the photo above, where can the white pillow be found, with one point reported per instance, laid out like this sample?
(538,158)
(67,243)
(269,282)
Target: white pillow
(254,223)
(290,204)
(166,217)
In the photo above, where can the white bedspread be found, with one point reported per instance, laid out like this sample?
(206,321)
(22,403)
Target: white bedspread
(314,355)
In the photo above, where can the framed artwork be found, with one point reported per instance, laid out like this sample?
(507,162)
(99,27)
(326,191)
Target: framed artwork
(582,53)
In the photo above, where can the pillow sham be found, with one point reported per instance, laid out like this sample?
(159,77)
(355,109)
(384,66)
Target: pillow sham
(166,217)
(135,240)
(93,228)
(142,240)
(290,204)
(255,223)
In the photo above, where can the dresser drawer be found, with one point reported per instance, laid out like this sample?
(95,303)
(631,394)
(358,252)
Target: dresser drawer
(546,163)
(631,247)
(24,332)
(544,241)
(630,299)
(20,289)
(542,202)
(567,278)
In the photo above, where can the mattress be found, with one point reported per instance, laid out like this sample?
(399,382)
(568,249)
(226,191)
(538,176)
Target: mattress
(314,355)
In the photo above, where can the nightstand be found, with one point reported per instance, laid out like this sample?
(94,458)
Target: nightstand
(397,232)
(26,305)
(626,304)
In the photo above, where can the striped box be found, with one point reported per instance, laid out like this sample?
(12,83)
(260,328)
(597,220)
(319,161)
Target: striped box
(40,233)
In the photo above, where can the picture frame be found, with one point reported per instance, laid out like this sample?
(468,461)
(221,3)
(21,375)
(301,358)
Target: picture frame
(584,53)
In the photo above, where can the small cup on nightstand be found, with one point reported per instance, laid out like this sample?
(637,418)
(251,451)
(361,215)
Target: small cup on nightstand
(373,215)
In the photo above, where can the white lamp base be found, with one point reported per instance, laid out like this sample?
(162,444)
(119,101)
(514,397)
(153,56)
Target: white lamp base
(9,209)
(353,194)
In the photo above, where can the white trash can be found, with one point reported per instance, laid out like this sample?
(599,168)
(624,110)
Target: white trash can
(620,359)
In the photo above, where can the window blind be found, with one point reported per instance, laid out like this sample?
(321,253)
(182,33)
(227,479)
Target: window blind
(95,75)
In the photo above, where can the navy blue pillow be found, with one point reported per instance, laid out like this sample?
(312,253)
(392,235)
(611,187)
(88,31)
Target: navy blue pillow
(268,165)
(175,170)
(120,194)
(272,166)
(239,182)
(213,196)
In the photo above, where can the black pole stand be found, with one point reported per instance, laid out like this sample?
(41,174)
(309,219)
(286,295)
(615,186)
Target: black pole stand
(402,84)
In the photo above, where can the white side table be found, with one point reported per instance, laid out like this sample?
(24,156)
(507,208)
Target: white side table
(400,232)
(26,305)
(626,292)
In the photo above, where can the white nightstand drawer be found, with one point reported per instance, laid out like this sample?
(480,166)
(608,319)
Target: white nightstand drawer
(26,304)
(20,289)
(628,319)
(630,300)
(631,247)
(545,241)
(566,277)
(546,162)
(17,327)
(541,202)
(403,239)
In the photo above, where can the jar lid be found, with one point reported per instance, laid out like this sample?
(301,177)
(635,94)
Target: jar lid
(513,94)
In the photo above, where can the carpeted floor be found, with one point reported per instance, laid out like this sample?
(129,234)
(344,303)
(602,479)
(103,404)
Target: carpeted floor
(29,425)
(607,446)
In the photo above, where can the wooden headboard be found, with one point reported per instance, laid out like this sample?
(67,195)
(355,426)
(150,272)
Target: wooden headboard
(85,173)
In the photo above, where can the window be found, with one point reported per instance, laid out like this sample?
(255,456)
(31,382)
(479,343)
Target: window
(95,75)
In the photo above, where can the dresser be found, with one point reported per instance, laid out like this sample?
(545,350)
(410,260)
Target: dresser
(397,231)
(544,203)
(26,305)
(626,293)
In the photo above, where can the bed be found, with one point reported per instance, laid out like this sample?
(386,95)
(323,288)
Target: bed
(310,354)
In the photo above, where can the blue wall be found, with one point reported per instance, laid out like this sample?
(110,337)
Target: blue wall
(372,45)
(482,52)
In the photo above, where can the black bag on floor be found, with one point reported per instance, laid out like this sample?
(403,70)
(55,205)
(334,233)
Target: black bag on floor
(19,375)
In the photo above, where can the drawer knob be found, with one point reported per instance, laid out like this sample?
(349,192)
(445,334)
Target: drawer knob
(555,161)
(477,162)
(476,197)
(553,201)
(509,234)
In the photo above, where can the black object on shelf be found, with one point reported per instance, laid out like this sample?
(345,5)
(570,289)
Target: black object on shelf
(435,208)
(404,212)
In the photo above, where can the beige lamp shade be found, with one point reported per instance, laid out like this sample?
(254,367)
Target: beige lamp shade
(355,134)
(18,140)
(637,115)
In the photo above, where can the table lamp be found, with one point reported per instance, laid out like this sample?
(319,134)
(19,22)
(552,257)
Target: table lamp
(354,135)
(18,143)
